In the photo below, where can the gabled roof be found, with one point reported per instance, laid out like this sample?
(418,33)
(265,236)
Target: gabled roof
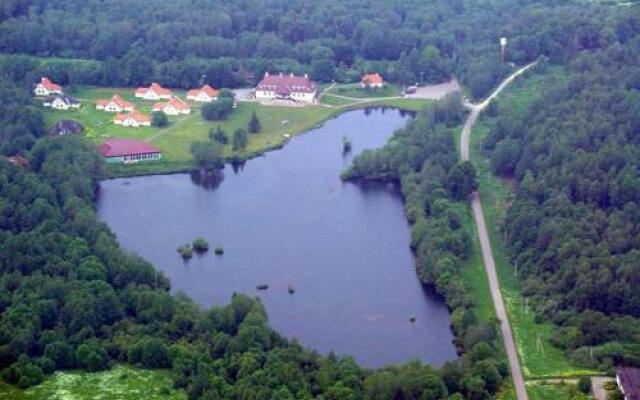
(117,100)
(630,382)
(369,79)
(50,86)
(156,88)
(65,127)
(176,102)
(65,99)
(138,116)
(18,160)
(125,147)
(286,84)
(211,92)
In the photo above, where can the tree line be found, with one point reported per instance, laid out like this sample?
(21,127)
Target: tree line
(186,43)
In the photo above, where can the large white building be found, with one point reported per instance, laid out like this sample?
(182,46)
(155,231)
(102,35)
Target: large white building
(289,87)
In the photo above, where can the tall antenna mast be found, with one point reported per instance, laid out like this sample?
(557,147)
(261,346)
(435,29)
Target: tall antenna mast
(503,48)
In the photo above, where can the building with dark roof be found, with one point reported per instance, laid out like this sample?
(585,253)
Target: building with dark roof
(628,379)
(289,87)
(128,151)
(66,127)
(61,102)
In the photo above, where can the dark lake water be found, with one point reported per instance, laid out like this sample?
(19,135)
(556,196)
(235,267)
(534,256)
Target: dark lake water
(286,219)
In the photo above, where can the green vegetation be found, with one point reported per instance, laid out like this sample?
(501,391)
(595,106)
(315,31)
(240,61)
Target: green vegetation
(159,119)
(121,382)
(200,245)
(539,357)
(186,251)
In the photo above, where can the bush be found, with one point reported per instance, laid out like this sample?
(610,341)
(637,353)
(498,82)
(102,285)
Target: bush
(219,250)
(219,135)
(217,110)
(240,139)
(254,123)
(159,119)
(200,245)
(155,354)
(186,251)
(584,384)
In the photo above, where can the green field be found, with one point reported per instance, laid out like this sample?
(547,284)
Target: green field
(120,382)
(279,123)
(542,390)
(538,356)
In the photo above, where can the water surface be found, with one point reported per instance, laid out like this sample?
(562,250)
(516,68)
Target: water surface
(286,219)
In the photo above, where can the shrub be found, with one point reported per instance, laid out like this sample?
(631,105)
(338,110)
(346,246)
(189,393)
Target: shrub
(186,251)
(584,384)
(254,123)
(219,135)
(217,110)
(159,119)
(219,250)
(200,245)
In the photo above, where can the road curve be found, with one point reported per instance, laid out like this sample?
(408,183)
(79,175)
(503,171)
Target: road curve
(485,245)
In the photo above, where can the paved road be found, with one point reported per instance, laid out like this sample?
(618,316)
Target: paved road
(485,245)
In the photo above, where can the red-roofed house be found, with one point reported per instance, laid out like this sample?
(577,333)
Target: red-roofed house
(205,94)
(372,81)
(153,92)
(18,160)
(629,382)
(175,106)
(290,87)
(134,119)
(116,104)
(128,151)
(47,88)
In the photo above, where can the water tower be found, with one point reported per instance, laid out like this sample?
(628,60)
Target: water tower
(503,48)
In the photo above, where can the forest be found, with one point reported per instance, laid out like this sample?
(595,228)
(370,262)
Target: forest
(574,225)
(232,43)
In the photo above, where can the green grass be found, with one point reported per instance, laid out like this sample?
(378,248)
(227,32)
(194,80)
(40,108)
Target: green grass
(336,101)
(354,90)
(538,356)
(278,123)
(120,382)
(547,391)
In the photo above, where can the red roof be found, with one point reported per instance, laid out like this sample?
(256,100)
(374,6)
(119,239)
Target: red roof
(117,100)
(135,115)
(211,92)
(18,160)
(286,84)
(125,147)
(156,88)
(50,86)
(176,102)
(369,79)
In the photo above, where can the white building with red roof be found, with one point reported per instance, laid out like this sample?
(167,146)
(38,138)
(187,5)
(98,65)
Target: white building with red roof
(128,151)
(61,102)
(175,106)
(205,94)
(372,81)
(289,87)
(46,88)
(115,104)
(134,119)
(153,92)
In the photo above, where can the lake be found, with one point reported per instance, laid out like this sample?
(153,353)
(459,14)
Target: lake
(287,220)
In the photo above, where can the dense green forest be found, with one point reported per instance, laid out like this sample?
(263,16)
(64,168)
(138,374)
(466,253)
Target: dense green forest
(574,225)
(227,43)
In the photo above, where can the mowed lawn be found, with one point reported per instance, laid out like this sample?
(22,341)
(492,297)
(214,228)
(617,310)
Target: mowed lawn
(120,382)
(174,140)
(354,90)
